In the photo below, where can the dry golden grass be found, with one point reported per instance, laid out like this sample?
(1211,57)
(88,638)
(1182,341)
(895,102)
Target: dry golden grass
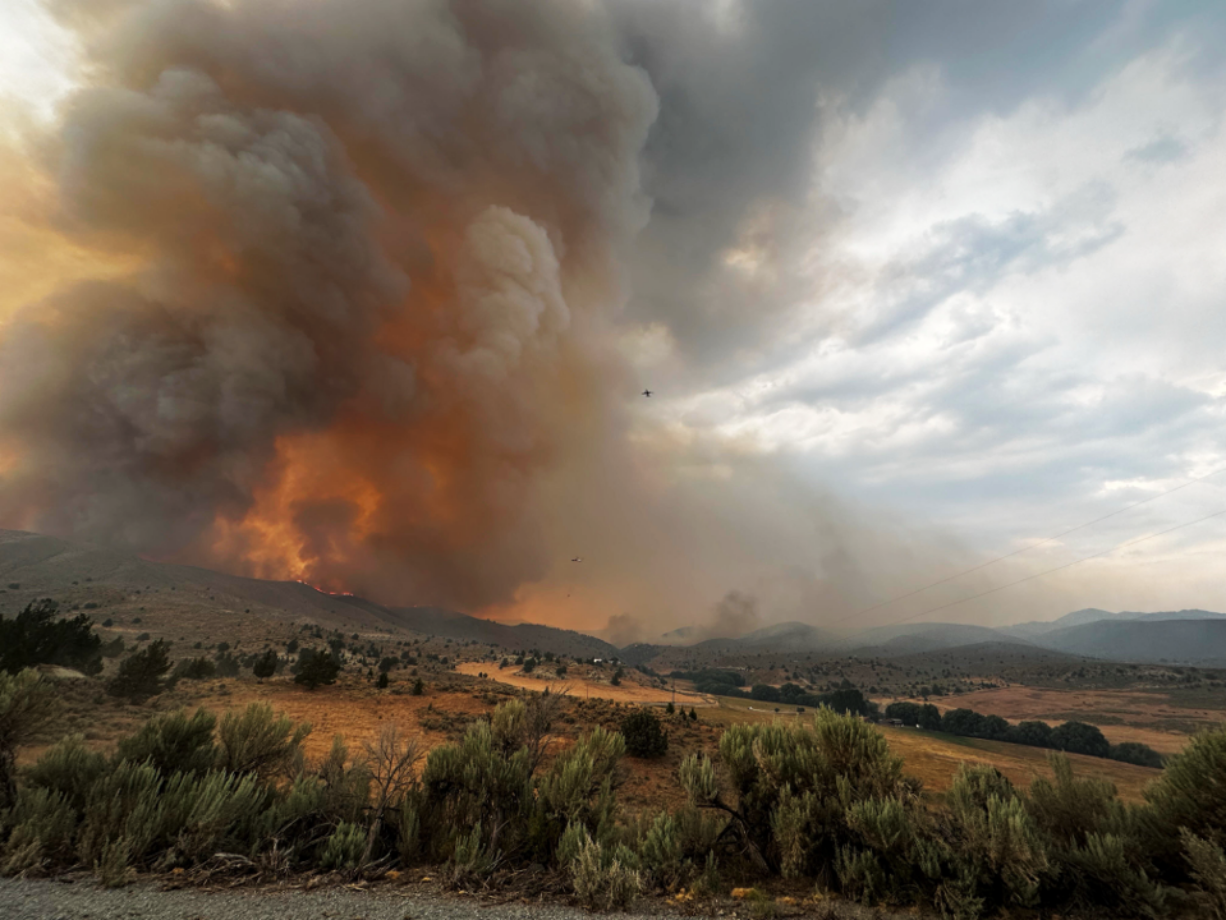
(583,687)
(358,712)
(353,708)
(935,757)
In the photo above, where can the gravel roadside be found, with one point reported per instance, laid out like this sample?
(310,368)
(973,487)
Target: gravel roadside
(53,899)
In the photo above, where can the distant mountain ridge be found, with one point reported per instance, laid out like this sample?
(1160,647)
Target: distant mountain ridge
(32,566)
(1090,615)
(1196,640)
(1185,636)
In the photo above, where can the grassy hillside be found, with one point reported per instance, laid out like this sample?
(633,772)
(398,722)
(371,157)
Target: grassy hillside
(190,604)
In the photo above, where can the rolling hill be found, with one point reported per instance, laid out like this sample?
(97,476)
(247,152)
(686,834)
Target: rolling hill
(191,603)
(1094,615)
(436,621)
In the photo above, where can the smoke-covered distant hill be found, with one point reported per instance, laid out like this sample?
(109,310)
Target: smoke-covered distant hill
(913,638)
(1187,636)
(436,621)
(193,603)
(1199,641)
(1094,615)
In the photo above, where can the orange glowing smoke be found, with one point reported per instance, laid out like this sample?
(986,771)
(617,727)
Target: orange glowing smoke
(371,252)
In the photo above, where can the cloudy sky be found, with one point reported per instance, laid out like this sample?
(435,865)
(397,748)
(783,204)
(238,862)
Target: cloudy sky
(962,267)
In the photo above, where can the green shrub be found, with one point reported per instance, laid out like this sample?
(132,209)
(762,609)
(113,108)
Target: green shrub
(604,880)
(1094,843)
(661,852)
(346,784)
(260,742)
(473,858)
(490,779)
(474,783)
(68,768)
(408,832)
(793,785)
(200,815)
(998,855)
(343,850)
(1207,864)
(120,820)
(860,874)
(37,832)
(1190,794)
(113,867)
(297,815)
(644,735)
(673,848)
(578,790)
(27,706)
(174,743)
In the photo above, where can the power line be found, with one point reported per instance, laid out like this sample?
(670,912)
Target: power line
(1192,480)
(1058,568)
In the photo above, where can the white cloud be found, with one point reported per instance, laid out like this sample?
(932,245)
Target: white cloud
(37,58)
(1022,317)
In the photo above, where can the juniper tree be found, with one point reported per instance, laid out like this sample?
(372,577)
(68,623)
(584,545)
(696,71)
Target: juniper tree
(265,665)
(36,637)
(142,674)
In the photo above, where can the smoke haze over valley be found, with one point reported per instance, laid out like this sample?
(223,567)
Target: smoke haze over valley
(364,294)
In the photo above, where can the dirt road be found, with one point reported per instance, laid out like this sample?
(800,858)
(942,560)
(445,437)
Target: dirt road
(85,900)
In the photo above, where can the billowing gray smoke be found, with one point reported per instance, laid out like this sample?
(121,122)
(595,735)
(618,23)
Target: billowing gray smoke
(380,242)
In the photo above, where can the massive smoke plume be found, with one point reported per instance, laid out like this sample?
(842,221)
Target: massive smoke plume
(380,242)
(364,325)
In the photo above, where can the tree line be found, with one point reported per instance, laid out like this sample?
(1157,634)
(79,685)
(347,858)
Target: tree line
(1072,737)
